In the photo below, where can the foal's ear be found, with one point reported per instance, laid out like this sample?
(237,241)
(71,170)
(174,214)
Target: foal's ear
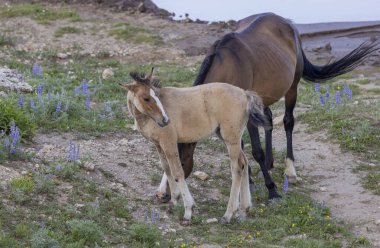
(150,76)
(131,87)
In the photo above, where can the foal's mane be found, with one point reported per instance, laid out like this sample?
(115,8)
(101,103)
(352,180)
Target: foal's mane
(207,62)
(141,78)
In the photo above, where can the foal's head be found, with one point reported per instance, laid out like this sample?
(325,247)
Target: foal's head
(142,95)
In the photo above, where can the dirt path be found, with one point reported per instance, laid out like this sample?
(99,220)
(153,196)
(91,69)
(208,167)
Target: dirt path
(328,172)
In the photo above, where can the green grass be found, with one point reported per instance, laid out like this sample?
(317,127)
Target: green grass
(138,35)
(37,12)
(7,41)
(66,30)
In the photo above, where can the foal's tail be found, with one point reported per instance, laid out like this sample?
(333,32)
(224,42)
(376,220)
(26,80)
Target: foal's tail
(347,63)
(255,110)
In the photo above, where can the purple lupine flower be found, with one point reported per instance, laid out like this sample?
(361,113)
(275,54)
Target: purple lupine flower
(345,89)
(76,153)
(21,101)
(88,103)
(37,70)
(337,97)
(285,186)
(84,87)
(6,144)
(32,104)
(15,136)
(349,93)
(322,100)
(39,89)
(66,107)
(70,155)
(327,95)
(316,87)
(58,108)
(77,90)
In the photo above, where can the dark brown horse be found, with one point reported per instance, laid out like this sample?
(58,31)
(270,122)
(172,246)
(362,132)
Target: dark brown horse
(265,55)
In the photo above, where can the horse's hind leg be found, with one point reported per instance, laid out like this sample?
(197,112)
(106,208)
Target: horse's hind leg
(290,102)
(268,140)
(258,155)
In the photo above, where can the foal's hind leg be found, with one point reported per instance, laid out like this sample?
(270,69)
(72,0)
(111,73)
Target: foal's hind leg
(290,102)
(245,195)
(259,156)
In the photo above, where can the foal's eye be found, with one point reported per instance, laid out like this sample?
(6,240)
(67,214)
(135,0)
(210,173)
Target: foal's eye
(146,99)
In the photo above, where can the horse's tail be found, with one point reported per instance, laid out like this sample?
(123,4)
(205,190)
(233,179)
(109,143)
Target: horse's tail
(255,110)
(347,63)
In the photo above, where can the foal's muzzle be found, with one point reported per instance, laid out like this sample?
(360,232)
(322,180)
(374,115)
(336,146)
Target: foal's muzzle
(165,121)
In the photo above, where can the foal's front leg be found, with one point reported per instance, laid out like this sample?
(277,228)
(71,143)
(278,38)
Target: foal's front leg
(171,153)
(167,177)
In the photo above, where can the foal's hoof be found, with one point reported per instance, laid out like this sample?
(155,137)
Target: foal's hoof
(293,179)
(163,197)
(224,221)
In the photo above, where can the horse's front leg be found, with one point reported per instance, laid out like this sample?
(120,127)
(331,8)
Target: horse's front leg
(167,177)
(172,156)
(290,102)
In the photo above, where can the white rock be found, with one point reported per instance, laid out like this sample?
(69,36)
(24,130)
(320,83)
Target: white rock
(89,166)
(11,80)
(201,175)
(45,150)
(107,73)
(62,55)
(79,205)
(123,142)
(377,222)
(323,189)
(212,220)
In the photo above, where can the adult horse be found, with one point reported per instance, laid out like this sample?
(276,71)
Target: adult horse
(265,55)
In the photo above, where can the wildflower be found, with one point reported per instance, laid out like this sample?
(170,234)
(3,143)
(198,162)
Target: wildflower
(57,96)
(285,186)
(32,104)
(39,89)
(294,225)
(258,234)
(21,101)
(337,97)
(153,216)
(182,245)
(37,70)
(58,167)
(58,108)
(347,91)
(84,87)
(327,217)
(316,87)
(322,100)
(327,94)
(88,103)
(73,154)
(15,136)
(77,90)
(249,236)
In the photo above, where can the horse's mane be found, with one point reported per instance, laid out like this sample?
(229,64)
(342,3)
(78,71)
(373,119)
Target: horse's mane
(207,62)
(141,78)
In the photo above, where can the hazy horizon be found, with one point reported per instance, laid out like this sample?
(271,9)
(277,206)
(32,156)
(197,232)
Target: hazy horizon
(307,11)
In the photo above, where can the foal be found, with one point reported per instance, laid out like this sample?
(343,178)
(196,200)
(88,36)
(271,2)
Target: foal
(167,116)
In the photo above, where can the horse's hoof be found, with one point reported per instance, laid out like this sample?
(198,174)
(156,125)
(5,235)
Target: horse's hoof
(185,222)
(274,195)
(163,197)
(224,221)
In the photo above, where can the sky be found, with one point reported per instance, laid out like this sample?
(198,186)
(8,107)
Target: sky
(300,11)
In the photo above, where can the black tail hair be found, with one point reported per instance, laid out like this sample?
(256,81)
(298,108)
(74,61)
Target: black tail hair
(347,63)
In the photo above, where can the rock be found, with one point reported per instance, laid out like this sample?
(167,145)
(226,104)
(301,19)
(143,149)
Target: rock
(11,80)
(123,142)
(377,222)
(201,175)
(277,121)
(3,94)
(323,189)
(107,74)
(141,7)
(212,220)
(89,166)
(62,55)
(325,48)
(44,151)
(79,205)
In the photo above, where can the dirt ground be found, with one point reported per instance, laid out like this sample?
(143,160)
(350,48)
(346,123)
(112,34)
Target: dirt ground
(132,161)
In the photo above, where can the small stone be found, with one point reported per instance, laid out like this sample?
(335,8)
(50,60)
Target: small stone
(79,205)
(212,220)
(123,142)
(24,172)
(201,175)
(377,222)
(107,74)
(89,166)
(323,189)
(62,55)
